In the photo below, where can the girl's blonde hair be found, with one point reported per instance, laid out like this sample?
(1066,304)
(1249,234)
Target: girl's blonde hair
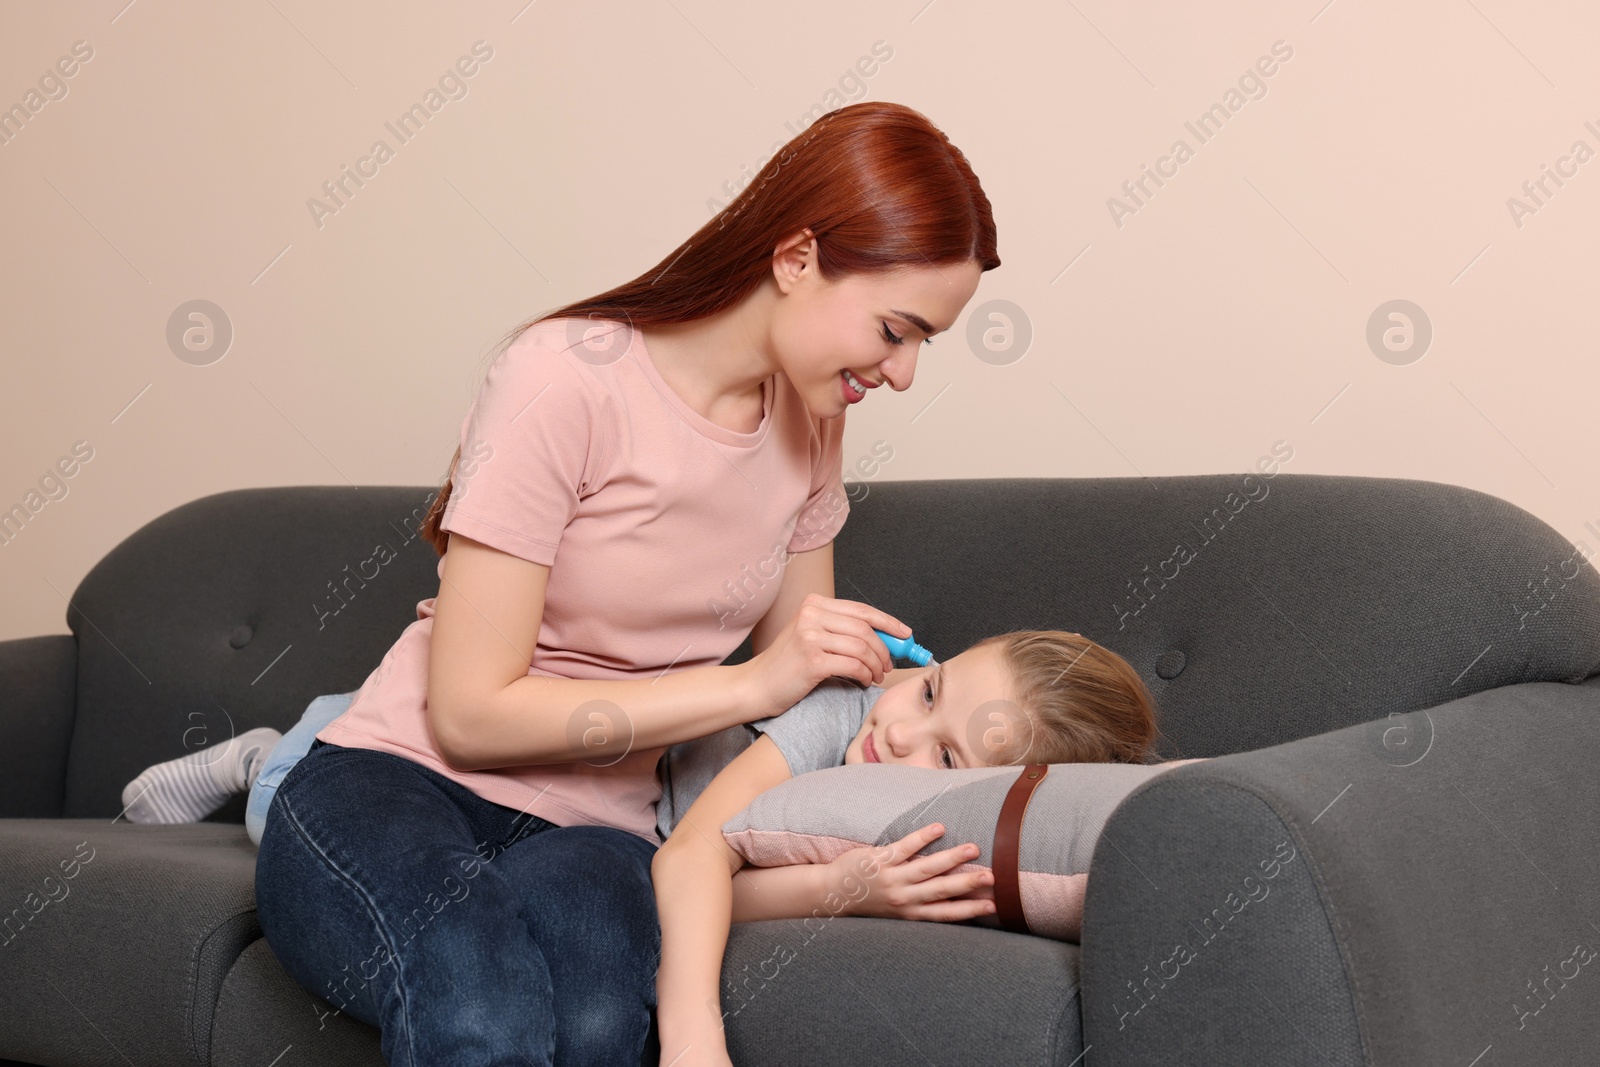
(1082,703)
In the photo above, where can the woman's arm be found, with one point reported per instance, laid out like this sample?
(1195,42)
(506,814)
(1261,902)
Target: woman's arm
(486,710)
(805,573)
(693,874)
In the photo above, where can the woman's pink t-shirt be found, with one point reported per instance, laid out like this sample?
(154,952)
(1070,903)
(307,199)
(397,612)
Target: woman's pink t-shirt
(666,535)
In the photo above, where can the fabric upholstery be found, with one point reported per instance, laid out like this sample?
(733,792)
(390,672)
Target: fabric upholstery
(36,716)
(843,991)
(1277,644)
(263,1013)
(232,612)
(811,991)
(1302,611)
(1424,891)
(1327,600)
(123,949)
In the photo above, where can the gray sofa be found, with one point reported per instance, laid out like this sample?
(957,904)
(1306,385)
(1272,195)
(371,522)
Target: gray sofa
(1394,862)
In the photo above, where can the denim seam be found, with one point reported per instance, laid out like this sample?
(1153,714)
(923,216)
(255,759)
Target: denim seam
(524,830)
(377,918)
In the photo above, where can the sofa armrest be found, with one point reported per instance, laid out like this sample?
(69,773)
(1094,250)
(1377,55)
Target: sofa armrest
(38,697)
(1413,890)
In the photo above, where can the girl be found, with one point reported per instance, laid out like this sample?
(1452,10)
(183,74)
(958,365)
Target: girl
(1024,697)
(659,437)
(1116,725)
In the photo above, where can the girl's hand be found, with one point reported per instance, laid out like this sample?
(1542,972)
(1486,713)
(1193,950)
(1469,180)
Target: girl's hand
(893,882)
(827,638)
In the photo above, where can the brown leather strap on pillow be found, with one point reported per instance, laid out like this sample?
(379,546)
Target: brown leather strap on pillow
(1008,848)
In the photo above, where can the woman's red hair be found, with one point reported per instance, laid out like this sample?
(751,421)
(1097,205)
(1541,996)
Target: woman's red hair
(879,186)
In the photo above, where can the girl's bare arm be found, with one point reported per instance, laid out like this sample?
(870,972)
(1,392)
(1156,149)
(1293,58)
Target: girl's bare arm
(791,892)
(693,874)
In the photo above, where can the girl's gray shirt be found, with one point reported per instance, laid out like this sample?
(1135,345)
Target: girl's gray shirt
(812,734)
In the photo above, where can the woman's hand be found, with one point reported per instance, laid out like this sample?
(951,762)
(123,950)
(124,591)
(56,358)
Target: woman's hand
(893,882)
(827,638)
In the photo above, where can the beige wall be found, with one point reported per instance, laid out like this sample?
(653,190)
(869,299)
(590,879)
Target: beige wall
(1223,313)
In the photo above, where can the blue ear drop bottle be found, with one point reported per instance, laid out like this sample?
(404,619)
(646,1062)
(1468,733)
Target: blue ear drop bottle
(906,648)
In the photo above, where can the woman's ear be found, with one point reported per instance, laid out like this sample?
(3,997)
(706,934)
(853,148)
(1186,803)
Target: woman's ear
(791,258)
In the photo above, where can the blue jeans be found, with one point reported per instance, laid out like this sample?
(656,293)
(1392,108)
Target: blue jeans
(464,930)
(289,750)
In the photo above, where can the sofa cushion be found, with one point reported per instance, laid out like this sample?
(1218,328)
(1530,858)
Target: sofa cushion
(841,991)
(264,1013)
(116,937)
(825,991)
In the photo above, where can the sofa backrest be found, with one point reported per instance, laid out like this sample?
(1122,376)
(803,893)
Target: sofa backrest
(1257,610)
(231,612)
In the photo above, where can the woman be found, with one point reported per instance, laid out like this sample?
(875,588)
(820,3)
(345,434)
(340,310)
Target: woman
(662,435)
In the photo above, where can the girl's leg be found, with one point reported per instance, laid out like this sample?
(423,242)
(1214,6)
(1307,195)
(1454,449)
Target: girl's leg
(381,887)
(286,753)
(189,788)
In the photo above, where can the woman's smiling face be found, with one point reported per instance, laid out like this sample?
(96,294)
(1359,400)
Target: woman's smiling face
(929,719)
(871,325)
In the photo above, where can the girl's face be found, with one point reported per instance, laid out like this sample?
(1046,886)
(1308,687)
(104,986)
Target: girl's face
(941,716)
(869,324)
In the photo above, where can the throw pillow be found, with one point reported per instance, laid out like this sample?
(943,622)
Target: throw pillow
(816,817)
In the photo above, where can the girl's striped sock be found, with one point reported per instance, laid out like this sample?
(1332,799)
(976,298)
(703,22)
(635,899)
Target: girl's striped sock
(189,788)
